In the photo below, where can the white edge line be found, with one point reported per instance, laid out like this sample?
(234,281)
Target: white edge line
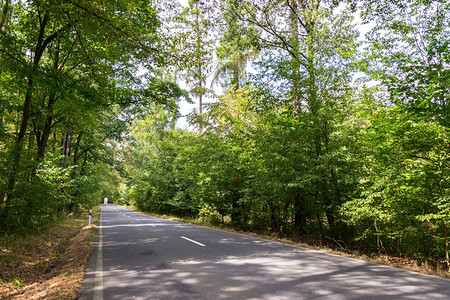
(192,241)
(98,288)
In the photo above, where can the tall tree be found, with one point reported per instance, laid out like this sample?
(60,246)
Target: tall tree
(404,205)
(196,22)
(237,47)
(54,45)
(409,53)
(311,48)
(3,24)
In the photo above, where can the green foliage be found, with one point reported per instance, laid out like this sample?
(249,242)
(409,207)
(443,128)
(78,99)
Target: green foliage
(195,47)
(66,92)
(159,180)
(299,149)
(409,53)
(310,153)
(405,184)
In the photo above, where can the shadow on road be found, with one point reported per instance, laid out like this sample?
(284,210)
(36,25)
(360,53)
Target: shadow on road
(152,262)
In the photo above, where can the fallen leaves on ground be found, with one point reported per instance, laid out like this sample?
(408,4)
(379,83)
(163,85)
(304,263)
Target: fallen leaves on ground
(49,265)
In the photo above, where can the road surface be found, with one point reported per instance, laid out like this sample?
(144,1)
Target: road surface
(142,257)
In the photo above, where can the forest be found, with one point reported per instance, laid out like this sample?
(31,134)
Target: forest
(320,121)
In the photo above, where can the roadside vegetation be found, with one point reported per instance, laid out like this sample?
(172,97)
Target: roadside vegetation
(305,129)
(301,149)
(49,265)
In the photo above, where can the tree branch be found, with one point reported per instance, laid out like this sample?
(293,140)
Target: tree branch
(108,21)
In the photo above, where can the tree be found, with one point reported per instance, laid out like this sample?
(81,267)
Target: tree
(160,171)
(4,15)
(403,208)
(409,54)
(237,47)
(197,47)
(311,49)
(403,204)
(63,66)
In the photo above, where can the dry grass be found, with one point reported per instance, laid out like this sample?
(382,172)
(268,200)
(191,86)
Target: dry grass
(50,265)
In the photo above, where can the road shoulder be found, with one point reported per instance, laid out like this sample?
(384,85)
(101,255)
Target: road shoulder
(49,265)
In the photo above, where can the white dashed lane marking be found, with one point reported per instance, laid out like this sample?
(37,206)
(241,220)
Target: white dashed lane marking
(192,241)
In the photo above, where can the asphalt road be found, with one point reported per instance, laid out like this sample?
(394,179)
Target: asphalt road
(142,257)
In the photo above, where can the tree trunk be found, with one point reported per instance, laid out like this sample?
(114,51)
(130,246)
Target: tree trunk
(65,149)
(3,23)
(30,145)
(447,258)
(379,241)
(236,78)
(295,56)
(199,62)
(77,148)
(42,142)
(320,227)
(273,220)
(84,163)
(4,15)
(67,145)
(18,145)
(17,151)
(300,214)
(55,142)
(201,92)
